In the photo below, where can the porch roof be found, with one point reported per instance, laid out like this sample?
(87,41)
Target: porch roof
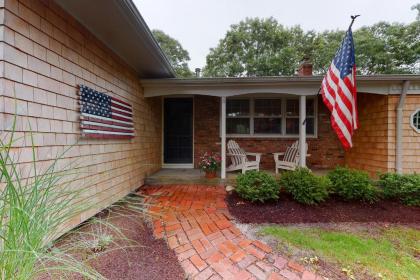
(295,85)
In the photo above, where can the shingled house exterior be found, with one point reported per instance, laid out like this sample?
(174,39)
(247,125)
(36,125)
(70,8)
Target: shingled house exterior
(49,48)
(250,119)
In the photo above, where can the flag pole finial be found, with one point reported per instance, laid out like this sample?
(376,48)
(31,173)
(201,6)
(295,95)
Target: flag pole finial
(352,20)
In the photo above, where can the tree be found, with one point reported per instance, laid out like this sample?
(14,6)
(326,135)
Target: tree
(417,7)
(388,48)
(263,47)
(257,47)
(177,55)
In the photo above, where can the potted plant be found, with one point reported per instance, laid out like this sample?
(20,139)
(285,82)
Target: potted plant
(209,163)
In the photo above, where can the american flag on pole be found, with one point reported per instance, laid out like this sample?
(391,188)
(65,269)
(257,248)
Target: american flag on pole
(103,116)
(339,91)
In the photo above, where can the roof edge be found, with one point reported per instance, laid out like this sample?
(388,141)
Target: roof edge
(274,79)
(154,47)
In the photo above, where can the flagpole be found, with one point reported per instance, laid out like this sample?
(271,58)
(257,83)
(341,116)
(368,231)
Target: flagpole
(352,20)
(351,24)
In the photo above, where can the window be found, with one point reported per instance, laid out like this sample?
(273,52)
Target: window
(415,120)
(238,116)
(268,116)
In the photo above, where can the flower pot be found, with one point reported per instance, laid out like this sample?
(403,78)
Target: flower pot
(210,174)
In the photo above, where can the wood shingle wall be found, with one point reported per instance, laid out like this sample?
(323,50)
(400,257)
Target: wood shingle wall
(411,138)
(45,54)
(374,142)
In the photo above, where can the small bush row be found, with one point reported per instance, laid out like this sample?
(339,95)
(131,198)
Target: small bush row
(305,187)
(351,184)
(406,188)
(348,184)
(257,186)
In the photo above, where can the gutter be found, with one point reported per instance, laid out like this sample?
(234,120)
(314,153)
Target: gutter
(399,128)
(275,79)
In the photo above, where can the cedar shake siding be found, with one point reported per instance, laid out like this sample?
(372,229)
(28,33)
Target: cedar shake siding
(374,142)
(370,141)
(325,150)
(411,138)
(46,53)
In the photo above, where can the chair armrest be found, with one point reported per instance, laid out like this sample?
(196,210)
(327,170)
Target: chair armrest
(235,155)
(277,155)
(253,154)
(256,155)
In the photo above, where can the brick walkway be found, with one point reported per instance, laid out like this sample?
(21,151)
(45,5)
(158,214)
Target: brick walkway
(196,224)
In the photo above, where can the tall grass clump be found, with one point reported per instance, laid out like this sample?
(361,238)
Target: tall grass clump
(34,206)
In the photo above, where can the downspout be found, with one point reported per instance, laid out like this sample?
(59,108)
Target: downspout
(399,132)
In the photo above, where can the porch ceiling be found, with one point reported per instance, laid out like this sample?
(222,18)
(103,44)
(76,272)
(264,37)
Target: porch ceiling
(295,85)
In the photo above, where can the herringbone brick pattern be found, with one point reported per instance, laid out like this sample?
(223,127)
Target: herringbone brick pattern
(196,223)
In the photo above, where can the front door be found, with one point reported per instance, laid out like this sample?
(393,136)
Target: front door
(178,131)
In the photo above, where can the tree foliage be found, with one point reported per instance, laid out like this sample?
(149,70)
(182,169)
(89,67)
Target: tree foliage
(263,47)
(257,47)
(177,55)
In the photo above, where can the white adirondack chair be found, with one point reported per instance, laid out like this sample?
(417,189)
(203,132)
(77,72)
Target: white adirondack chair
(239,158)
(290,160)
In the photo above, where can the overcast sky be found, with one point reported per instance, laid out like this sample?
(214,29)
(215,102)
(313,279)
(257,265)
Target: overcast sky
(199,24)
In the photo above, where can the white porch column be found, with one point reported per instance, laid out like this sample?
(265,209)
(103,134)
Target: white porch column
(223,140)
(302,131)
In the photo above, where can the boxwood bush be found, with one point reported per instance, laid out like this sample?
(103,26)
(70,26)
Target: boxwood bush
(305,187)
(406,188)
(351,184)
(257,186)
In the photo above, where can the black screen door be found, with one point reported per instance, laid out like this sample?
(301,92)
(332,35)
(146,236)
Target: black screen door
(178,131)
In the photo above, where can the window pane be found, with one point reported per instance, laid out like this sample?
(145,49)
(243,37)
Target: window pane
(292,107)
(310,125)
(310,106)
(267,125)
(237,107)
(237,126)
(267,107)
(292,126)
(415,120)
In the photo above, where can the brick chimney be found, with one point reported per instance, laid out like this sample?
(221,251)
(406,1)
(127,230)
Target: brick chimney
(305,67)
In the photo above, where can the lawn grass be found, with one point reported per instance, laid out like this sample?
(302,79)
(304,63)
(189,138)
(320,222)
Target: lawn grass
(390,253)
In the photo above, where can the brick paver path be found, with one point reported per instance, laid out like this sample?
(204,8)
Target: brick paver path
(196,224)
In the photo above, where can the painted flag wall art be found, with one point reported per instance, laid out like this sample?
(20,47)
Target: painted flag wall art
(103,116)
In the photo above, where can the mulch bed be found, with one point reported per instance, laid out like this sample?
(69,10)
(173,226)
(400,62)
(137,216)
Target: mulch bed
(288,211)
(148,259)
(152,259)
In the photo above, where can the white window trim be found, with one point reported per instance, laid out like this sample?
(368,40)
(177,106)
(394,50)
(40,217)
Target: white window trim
(416,129)
(283,135)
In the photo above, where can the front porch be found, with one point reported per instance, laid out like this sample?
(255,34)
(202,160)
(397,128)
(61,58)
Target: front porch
(190,176)
(200,116)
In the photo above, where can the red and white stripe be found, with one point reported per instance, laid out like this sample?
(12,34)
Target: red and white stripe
(339,96)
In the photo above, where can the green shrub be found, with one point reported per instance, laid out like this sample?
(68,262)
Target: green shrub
(257,186)
(403,187)
(305,187)
(353,184)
